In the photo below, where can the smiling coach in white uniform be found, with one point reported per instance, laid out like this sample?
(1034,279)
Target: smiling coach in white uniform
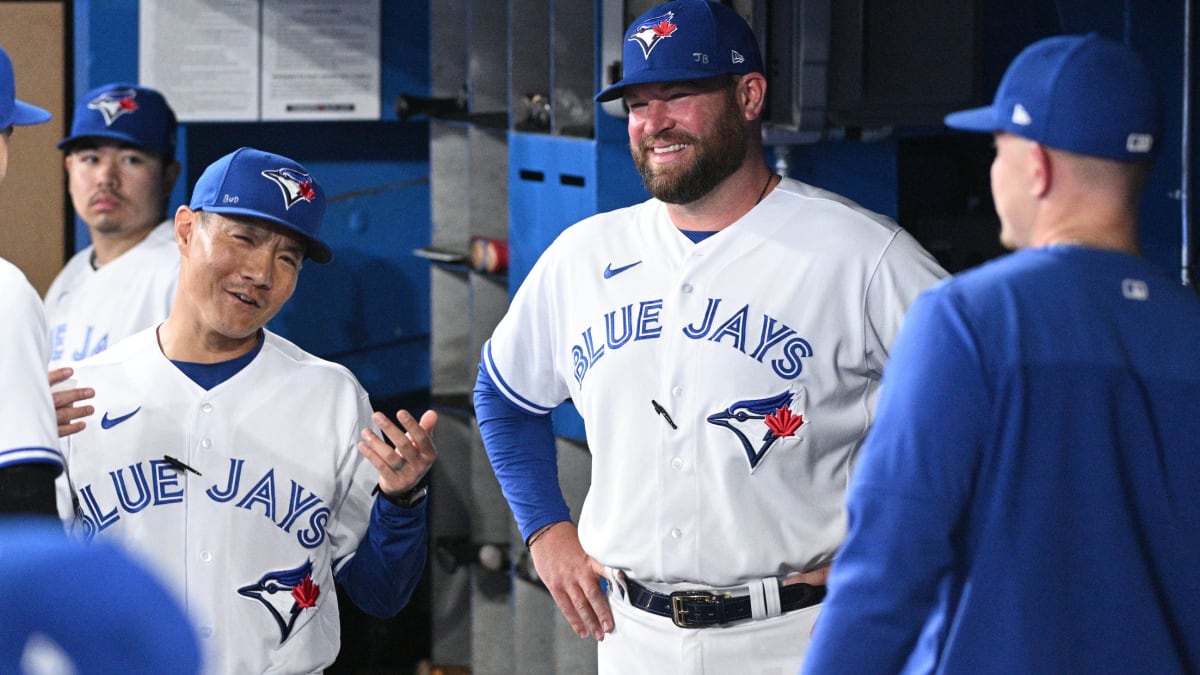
(724,343)
(240,466)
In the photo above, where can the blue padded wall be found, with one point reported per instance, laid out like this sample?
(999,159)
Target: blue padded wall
(554,181)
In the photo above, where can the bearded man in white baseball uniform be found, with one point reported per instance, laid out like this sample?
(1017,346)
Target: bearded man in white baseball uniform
(724,343)
(121,168)
(29,457)
(239,466)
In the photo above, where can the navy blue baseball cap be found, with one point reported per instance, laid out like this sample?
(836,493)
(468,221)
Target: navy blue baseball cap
(1081,93)
(125,112)
(685,40)
(250,182)
(12,111)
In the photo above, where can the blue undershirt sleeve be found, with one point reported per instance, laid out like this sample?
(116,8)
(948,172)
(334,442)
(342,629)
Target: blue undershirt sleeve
(524,455)
(381,575)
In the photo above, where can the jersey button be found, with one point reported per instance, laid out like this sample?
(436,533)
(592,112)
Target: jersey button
(676,533)
(677,463)
(207,407)
(206,632)
(677,391)
(206,443)
(205,556)
(686,288)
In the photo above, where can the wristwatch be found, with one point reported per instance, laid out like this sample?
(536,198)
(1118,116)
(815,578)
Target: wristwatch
(412,497)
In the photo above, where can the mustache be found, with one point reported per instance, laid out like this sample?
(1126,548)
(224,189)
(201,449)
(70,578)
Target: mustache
(104,194)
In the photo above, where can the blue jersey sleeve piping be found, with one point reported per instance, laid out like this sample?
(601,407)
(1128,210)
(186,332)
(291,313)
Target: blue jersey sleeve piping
(497,382)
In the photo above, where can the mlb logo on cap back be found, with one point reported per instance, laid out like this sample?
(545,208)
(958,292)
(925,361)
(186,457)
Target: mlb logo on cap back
(685,40)
(125,112)
(250,182)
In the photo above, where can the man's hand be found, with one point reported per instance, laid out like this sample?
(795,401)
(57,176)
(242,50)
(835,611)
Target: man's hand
(68,413)
(816,577)
(573,578)
(402,464)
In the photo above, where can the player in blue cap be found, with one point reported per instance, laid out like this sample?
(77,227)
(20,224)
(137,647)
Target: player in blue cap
(120,163)
(1026,501)
(243,468)
(29,457)
(723,342)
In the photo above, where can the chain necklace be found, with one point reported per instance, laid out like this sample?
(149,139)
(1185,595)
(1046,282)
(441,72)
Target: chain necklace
(762,194)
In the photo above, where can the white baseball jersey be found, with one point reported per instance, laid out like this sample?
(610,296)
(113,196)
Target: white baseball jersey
(28,428)
(282,495)
(89,309)
(725,385)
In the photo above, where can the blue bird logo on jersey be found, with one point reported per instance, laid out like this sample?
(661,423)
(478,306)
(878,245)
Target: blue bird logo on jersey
(652,31)
(758,423)
(285,593)
(296,185)
(113,104)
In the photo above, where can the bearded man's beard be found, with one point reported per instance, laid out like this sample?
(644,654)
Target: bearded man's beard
(716,158)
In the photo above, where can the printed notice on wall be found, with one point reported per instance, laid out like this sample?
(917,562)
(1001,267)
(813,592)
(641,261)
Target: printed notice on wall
(320,59)
(271,60)
(202,55)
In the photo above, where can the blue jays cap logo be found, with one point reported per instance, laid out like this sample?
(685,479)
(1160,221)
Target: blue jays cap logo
(758,423)
(113,104)
(296,185)
(285,593)
(652,31)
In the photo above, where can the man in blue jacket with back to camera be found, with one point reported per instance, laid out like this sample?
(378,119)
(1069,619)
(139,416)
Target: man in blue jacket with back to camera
(1026,501)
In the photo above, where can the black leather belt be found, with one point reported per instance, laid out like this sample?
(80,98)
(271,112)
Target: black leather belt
(698,609)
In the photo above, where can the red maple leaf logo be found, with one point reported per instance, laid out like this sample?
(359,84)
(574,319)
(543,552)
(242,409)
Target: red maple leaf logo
(784,422)
(664,28)
(306,190)
(128,104)
(306,593)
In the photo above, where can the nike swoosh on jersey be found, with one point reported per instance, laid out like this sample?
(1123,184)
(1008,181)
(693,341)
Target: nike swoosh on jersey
(609,272)
(107,422)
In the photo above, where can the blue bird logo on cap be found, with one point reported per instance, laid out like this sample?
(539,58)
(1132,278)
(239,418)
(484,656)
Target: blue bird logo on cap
(113,104)
(653,31)
(297,186)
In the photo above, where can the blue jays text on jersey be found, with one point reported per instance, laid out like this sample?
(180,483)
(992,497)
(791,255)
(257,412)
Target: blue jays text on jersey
(92,344)
(156,483)
(758,336)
